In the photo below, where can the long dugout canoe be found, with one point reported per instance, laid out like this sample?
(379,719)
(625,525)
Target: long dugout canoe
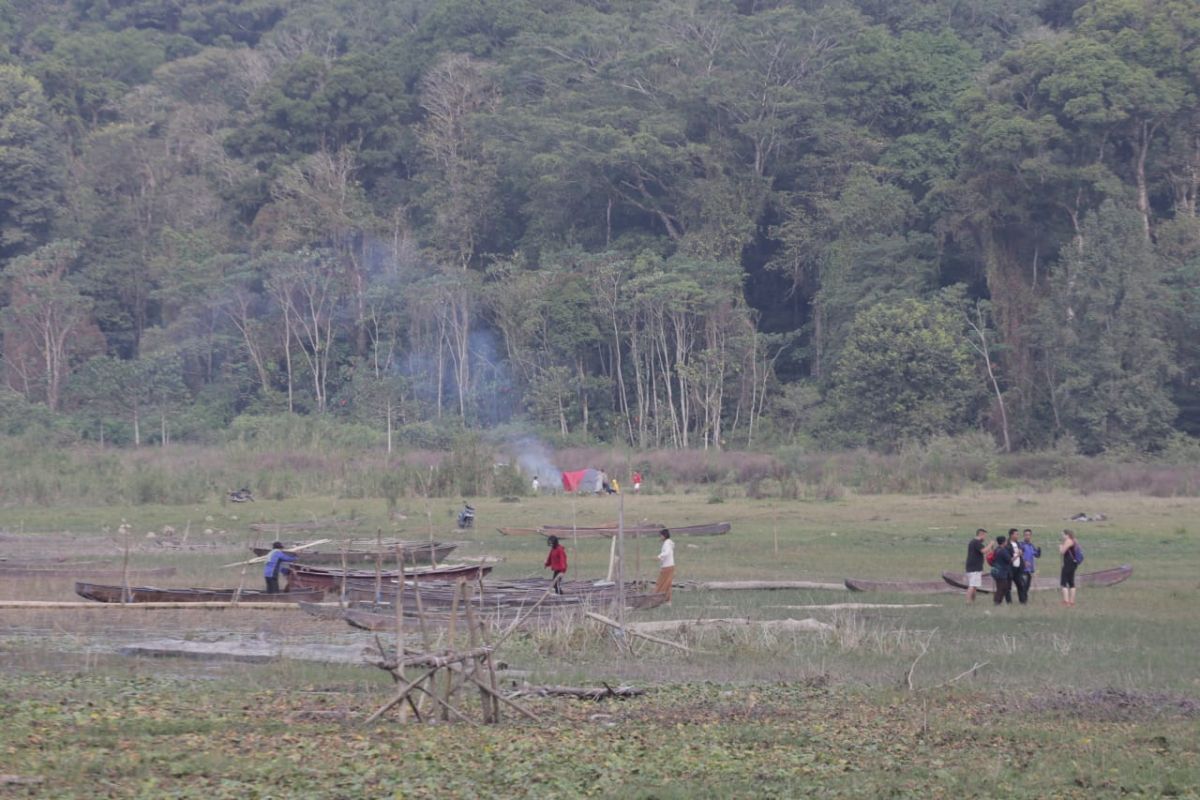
(103,593)
(1104,577)
(608,531)
(305,576)
(900,587)
(84,572)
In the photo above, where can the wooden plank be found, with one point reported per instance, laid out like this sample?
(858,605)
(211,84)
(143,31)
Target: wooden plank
(49,605)
(855,606)
(736,586)
(253,652)
(676,625)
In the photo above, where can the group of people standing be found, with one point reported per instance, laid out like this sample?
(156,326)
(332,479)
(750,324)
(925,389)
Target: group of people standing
(1012,562)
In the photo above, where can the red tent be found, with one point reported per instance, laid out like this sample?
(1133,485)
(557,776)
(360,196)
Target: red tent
(571,479)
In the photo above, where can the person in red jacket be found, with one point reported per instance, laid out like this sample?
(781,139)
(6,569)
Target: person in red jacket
(556,561)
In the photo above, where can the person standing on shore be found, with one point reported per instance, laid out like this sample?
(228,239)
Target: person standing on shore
(1069,549)
(1002,572)
(637,482)
(275,565)
(557,562)
(976,551)
(1030,553)
(1018,568)
(666,565)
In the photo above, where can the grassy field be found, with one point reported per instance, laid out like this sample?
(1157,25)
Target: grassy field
(1099,700)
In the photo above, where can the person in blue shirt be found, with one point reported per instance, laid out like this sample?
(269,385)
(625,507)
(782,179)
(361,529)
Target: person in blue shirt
(275,565)
(1030,553)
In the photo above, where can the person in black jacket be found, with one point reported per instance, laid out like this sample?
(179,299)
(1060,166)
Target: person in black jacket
(1002,571)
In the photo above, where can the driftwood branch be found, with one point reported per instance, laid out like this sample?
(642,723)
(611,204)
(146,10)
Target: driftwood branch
(614,624)
(978,666)
(924,650)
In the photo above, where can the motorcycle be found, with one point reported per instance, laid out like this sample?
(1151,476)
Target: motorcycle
(466,517)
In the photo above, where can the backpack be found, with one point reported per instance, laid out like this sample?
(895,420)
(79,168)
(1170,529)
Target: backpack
(991,557)
(1077,553)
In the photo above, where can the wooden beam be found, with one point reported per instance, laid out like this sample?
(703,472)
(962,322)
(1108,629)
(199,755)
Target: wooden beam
(732,586)
(50,605)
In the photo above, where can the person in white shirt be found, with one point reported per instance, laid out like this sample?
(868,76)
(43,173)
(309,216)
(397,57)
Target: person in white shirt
(536,485)
(666,565)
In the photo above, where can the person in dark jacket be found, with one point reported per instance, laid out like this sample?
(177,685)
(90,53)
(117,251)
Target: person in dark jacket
(275,565)
(1002,571)
(557,562)
(1018,568)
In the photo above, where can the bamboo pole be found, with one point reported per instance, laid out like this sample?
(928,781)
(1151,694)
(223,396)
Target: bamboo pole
(379,568)
(621,559)
(485,701)
(345,568)
(399,622)
(261,559)
(776,529)
(450,642)
(126,592)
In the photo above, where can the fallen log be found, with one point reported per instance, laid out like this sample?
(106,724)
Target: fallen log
(49,605)
(595,693)
(245,651)
(854,606)
(738,586)
(666,625)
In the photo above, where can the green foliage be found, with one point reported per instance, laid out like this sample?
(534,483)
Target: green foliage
(30,163)
(1110,359)
(646,224)
(905,373)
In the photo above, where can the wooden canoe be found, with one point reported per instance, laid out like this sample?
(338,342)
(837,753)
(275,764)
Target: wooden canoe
(305,576)
(84,572)
(1104,577)
(152,594)
(566,532)
(414,553)
(899,587)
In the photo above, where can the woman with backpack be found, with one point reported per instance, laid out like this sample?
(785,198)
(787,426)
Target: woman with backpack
(1002,571)
(1070,550)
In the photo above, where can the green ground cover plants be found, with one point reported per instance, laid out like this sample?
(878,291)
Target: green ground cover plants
(1099,700)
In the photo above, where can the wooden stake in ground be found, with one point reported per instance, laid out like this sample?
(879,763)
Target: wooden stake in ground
(473,637)
(399,618)
(379,568)
(776,529)
(241,583)
(621,559)
(127,593)
(345,569)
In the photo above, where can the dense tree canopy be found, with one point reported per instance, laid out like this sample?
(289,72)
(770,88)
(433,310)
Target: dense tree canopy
(685,224)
